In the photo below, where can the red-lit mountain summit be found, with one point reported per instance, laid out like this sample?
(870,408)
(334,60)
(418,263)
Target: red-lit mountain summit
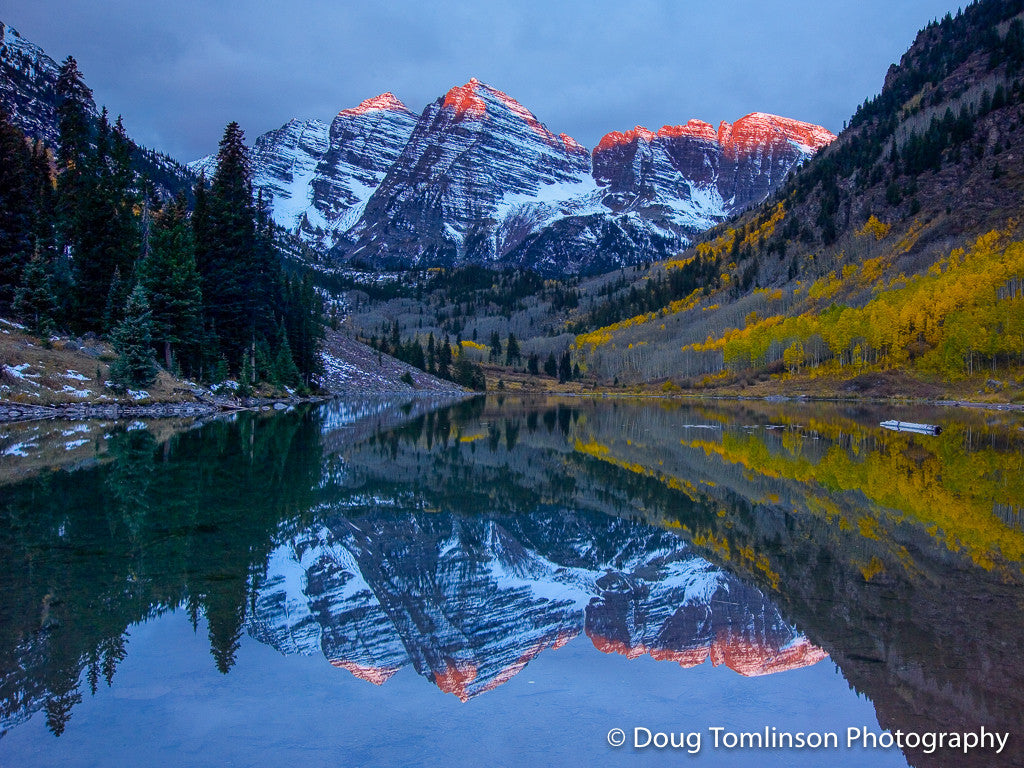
(477,178)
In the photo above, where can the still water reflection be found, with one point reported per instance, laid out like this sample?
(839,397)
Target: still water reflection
(502,582)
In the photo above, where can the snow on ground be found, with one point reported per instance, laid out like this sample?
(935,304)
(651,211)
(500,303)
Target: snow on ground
(350,366)
(21,372)
(18,449)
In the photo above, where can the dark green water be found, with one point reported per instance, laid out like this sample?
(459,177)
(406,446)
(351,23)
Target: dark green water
(502,582)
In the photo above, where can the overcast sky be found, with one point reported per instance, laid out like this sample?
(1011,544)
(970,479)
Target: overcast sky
(180,71)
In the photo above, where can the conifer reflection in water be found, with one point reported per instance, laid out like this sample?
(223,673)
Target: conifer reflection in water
(146,528)
(466,540)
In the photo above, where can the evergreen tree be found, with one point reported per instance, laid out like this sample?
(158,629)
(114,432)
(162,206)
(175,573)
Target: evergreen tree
(74,105)
(444,358)
(533,364)
(495,346)
(564,368)
(465,374)
(169,275)
(34,302)
(135,365)
(512,353)
(74,165)
(286,372)
(551,365)
(44,233)
(122,241)
(304,318)
(226,246)
(245,296)
(101,226)
(117,295)
(431,354)
(17,209)
(414,354)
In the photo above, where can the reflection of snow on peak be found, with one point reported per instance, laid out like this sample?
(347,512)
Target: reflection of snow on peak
(469,602)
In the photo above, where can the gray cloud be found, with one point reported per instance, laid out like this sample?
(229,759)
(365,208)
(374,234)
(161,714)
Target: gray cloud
(178,72)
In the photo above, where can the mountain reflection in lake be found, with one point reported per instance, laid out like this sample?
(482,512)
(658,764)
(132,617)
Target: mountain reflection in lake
(467,543)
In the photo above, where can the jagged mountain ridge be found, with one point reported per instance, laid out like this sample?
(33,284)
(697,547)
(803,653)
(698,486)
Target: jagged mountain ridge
(478,178)
(28,94)
(315,179)
(468,602)
(701,171)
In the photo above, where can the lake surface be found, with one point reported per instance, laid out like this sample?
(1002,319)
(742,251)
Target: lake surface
(504,582)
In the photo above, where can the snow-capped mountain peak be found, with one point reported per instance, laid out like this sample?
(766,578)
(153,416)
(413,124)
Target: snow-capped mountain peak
(478,178)
(384,102)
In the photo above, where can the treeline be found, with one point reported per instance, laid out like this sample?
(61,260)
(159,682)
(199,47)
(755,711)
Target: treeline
(435,357)
(461,294)
(880,152)
(87,245)
(964,316)
(678,281)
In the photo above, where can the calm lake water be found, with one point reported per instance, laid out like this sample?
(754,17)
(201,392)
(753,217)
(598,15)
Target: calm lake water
(503,582)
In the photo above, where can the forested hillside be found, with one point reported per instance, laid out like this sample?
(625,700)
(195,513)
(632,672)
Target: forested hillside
(898,247)
(88,245)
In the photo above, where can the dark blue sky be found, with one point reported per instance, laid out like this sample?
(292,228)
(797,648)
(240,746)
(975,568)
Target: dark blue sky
(179,71)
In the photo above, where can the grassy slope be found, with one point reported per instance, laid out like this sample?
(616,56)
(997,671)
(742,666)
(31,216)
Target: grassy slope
(63,370)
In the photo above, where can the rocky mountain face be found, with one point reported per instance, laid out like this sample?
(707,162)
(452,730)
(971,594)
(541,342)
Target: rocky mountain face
(475,179)
(692,175)
(478,172)
(658,190)
(28,79)
(362,144)
(478,179)
(468,602)
(28,94)
(315,179)
(284,163)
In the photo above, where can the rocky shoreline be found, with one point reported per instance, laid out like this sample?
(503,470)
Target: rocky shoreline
(12,412)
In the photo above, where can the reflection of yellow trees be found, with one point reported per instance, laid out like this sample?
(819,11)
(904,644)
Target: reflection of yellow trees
(966,311)
(950,491)
(599,451)
(744,555)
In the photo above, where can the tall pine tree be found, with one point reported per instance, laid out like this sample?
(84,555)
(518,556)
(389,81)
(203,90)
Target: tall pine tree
(170,278)
(17,209)
(75,175)
(133,339)
(245,296)
(226,240)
